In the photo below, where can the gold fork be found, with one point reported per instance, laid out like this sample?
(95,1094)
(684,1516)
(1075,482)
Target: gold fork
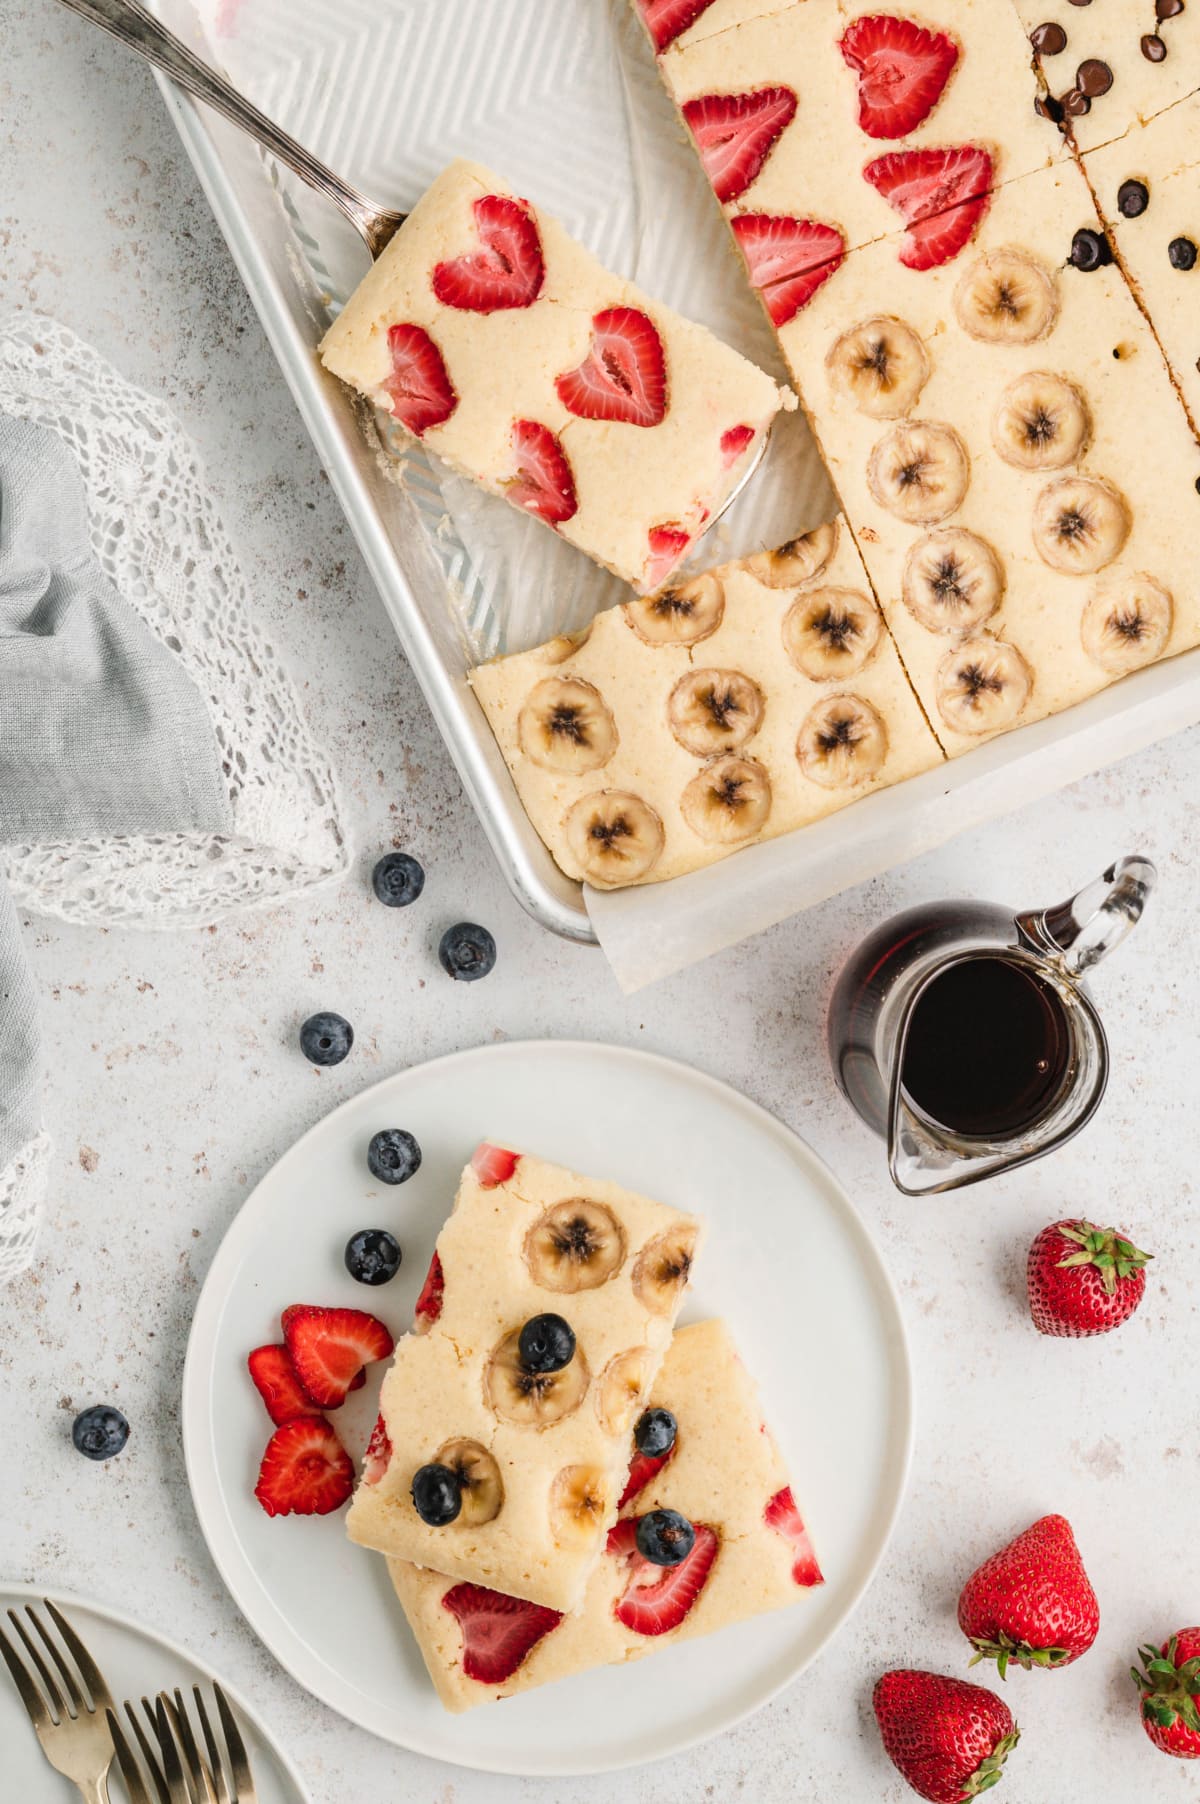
(180,1772)
(73,1733)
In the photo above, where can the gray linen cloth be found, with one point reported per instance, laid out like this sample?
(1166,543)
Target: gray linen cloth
(102,731)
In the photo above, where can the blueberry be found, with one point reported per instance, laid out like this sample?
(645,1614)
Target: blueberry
(326,1038)
(546,1344)
(665,1538)
(393,1155)
(397,879)
(1133,197)
(467,952)
(373,1256)
(1182,253)
(100,1432)
(1090,250)
(655,1432)
(437,1494)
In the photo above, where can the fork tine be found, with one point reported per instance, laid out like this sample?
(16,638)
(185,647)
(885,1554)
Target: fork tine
(92,1677)
(243,1782)
(130,1771)
(78,1707)
(176,1788)
(31,1697)
(198,1774)
(56,1704)
(149,1755)
(214,1755)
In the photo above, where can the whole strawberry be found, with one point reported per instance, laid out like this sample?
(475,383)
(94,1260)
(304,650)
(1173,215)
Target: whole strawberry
(1031,1604)
(949,1739)
(1083,1279)
(1169,1688)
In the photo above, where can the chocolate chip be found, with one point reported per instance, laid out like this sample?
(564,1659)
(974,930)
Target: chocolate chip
(1048,39)
(1183,253)
(1049,108)
(1090,249)
(1133,198)
(1153,48)
(1075,104)
(1167,9)
(1094,78)
(1081,2)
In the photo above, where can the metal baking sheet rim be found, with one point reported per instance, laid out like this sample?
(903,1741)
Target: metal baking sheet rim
(848,848)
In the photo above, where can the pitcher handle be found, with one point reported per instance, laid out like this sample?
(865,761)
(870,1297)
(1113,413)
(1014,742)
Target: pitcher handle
(1079,933)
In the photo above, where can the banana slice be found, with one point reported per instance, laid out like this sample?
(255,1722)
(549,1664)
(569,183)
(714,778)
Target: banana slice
(579,1503)
(479,1476)
(1079,524)
(881,365)
(982,685)
(1042,423)
(680,614)
(830,634)
(565,726)
(919,472)
(1127,624)
(621,1389)
(796,562)
(728,802)
(842,742)
(714,710)
(565,645)
(1007,297)
(576,1245)
(663,1268)
(532,1399)
(953,581)
(615,837)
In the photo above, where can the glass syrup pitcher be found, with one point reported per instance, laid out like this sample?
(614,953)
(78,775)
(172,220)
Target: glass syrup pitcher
(964,1035)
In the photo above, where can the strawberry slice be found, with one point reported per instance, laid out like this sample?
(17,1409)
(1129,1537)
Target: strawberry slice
(305,1471)
(542,482)
(667,545)
(429,1303)
(657,1598)
(329,1348)
(493,1165)
(782,1515)
(421,392)
(275,1380)
(378,1456)
(667,20)
(642,1468)
(624,375)
(940,194)
(734,442)
(736,133)
(788,259)
(506,271)
(497,1631)
(902,71)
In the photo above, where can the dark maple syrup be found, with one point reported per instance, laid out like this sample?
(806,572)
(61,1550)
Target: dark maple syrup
(988,1049)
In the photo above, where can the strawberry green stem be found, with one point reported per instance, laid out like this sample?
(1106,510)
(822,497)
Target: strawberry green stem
(1005,1652)
(1168,1691)
(1108,1250)
(989,1772)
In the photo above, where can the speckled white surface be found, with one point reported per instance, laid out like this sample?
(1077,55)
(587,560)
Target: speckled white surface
(173,1083)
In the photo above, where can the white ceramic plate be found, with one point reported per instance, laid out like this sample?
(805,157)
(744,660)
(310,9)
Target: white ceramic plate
(788,1263)
(135,1662)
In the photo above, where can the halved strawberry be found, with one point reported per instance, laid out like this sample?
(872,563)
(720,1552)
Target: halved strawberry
(902,71)
(782,1515)
(734,442)
(657,1598)
(497,1631)
(940,194)
(667,545)
(642,1468)
(378,1456)
(507,271)
(305,1471)
(788,259)
(493,1165)
(736,133)
(429,1303)
(329,1348)
(276,1382)
(419,388)
(624,375)
(668,19)
(541,482)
